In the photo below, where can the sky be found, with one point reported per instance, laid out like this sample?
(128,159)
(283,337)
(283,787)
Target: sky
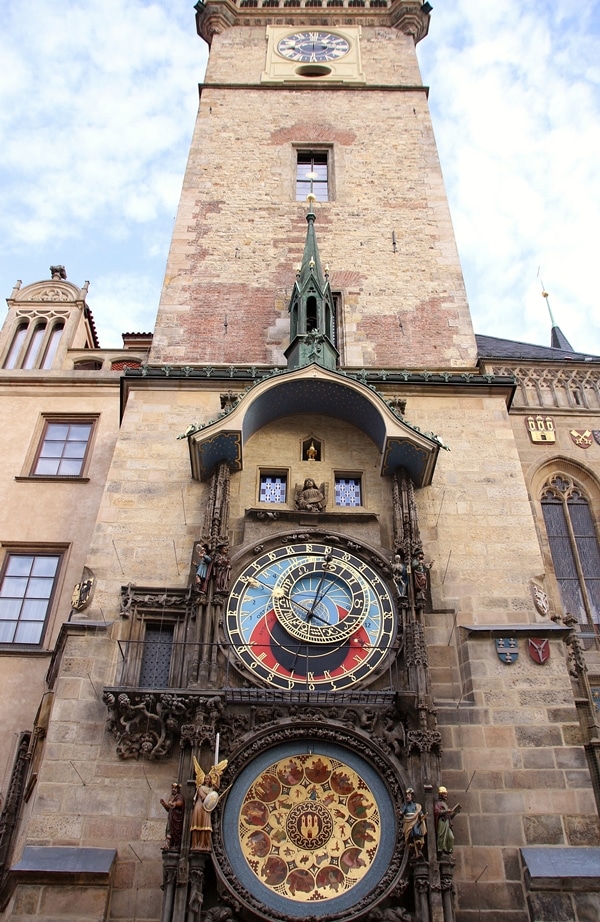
(97,107)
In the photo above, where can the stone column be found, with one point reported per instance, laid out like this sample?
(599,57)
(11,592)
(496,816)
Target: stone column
(197,864)
(447,887)
(170,865)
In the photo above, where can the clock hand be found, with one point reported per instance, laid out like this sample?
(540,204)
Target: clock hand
(317,599)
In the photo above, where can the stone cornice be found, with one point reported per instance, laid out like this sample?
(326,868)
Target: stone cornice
(535,629)
(215,16)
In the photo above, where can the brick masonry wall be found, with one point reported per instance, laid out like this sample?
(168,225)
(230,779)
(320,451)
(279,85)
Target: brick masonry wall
(239,231)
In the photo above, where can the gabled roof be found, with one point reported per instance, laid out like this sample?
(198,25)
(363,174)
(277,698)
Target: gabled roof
(493,347)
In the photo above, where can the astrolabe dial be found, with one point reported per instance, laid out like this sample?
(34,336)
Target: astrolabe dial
(321,600)
(310,616)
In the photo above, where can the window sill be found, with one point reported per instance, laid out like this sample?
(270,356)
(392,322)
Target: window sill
(335,513)
(52,478)
(18,649)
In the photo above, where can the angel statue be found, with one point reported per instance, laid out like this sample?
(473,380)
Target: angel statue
(309,497)
(206,799)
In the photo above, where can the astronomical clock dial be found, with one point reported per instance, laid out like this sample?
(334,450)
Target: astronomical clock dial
(306,825)
(313,47)
(310,616)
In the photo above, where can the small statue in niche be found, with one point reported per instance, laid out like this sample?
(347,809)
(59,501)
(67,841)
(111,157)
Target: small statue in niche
(221,568)
(309,497)
(175,807)
(414,825)
(443,816)
(420,570)
(204,567)
(205,801)
(400,576)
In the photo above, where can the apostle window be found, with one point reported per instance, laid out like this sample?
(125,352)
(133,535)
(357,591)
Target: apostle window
(25,594)
(348,491)
(574,548)
(63,449)
(273,488)
(312,175)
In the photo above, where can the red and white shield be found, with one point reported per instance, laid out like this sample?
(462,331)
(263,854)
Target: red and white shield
(539,650)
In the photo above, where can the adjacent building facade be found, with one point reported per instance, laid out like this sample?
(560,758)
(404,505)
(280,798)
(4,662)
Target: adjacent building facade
(314,557)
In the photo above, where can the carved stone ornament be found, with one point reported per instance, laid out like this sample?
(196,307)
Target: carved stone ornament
(147,724)
(54,294)
(390,914)
(424,741)
(83,591)
(416,648)
(540,598)
(309,497)
(134,597)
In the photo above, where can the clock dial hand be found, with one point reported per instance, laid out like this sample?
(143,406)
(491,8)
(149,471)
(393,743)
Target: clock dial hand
(317,599)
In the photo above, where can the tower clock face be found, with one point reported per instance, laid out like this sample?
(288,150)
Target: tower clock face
(310,616)
(313,47)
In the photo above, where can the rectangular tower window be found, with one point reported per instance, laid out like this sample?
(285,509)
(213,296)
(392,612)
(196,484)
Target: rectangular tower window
(63,448)
(273,488)
(312,175)
(347,491)
(25,594)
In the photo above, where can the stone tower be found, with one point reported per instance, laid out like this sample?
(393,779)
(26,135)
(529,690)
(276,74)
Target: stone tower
(315,556)
(274,108)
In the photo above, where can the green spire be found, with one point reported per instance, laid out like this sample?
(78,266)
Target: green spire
(312,311)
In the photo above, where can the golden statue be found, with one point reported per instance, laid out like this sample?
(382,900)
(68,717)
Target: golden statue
(206,799)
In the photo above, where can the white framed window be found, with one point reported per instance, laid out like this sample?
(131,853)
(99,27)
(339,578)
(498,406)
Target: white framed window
(26,591)
(63,448)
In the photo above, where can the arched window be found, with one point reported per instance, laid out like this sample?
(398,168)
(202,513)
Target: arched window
(52,346)
(17,343)
(574,548)
(35,344)
(312,322)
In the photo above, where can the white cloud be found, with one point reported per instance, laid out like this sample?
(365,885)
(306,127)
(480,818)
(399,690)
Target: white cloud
(96,113)
(516,107)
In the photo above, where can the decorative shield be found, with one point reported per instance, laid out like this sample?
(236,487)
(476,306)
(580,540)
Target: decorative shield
(581,437)
(539,650)
(596,434)
(82,594)
(210,801)
(507,649)
(540,599)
